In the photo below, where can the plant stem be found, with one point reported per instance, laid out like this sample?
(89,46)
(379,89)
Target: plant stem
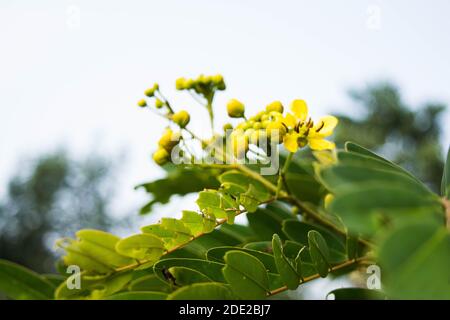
(316,276)
(446,204)
(211,113)
(282,173)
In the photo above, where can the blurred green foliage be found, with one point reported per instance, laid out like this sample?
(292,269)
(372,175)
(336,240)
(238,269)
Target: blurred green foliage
(50,197)
(383,122)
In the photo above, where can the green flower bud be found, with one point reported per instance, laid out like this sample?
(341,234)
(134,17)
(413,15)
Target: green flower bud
(142,103)
(159,104)
(181,118)
(161,156)
(275,106)
(155,87)
(235,108)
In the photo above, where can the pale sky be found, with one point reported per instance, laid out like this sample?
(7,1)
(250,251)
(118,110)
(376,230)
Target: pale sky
(72,71)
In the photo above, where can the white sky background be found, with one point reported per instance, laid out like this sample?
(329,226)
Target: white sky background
(72,71)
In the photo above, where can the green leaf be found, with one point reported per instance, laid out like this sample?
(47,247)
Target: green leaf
(20,283)
(298,232)
(305,187)
(180,233)
(266,222)
(94,287)
(218,254)
(101,245)
(138,295)
(263,246)
(415,262)
(357,154)
(319,252)
(356,148)
(347,177)
(215,203)
(355,294)
(193,221)
(370,208)
(149,283)
(203,291)
(185,276)
(76,256)
(54,279)
(236,183)
(246,275)
(352,246)
(141,246)
(212,270)
(179,181)
(238,232)
(287,271)
(446,177)
(249,199)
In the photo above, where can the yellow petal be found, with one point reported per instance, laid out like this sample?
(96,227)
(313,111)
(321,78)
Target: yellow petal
(321,144)
(325,126)
(300,109)
(290,142)
(289,120)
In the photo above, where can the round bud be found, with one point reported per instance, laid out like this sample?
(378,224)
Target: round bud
(257,125)
(149,92)
(181,118)
(189,84)
(159,104)
(254,137)
(235,108)
(276,128)
(155,87)
(169,140)
(265,117)
(217,79)
(227,126)
(142,103)
(161,156)
(275,106)
(180,84)
(239,143)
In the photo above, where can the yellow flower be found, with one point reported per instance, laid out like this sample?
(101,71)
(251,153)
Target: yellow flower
(303,131)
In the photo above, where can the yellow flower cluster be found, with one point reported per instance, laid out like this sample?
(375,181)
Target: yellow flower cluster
(165,145)
(202,84)
(295,130)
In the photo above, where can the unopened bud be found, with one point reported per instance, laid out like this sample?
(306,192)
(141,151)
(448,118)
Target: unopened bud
(235,108)
(142,103)
(161,156)
(275,106)
(181,118)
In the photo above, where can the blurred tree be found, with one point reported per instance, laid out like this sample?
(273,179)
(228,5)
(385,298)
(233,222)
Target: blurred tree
(52,197)
(407,136)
